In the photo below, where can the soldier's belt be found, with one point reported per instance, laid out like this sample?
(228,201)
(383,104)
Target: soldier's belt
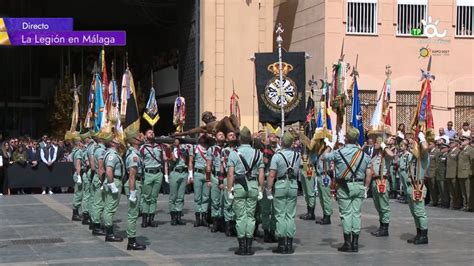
(117,177)
(285,177)
(153,170)
(201,171)
(216,173)
(180,170)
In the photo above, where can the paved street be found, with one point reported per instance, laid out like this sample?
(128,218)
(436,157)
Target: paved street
(36,229)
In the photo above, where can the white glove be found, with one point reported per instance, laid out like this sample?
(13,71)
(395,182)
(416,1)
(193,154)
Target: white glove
(231,195)
(133,196)
(113,188)
(269,195)
(260,195)
(79,179)
(383,145)
(190,174)
(366,189)
(167,179)
(175,152)
(329,143)
(421,137)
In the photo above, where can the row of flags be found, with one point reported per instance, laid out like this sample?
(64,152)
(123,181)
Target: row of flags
(336,94)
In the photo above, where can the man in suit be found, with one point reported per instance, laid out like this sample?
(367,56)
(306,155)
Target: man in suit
(48,156)
(369,149)
(34,154)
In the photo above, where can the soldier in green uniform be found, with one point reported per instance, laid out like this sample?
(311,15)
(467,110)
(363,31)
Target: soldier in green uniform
(431,173)
(352,168)
(114,170)
(307,183)
(465,175)
(155,168)
(181,166)
(245,170)
(213,172)
(284,169)
(229,219)
(201,184)
(266,206)
(77,159)
(323,184)
(86,178)
(380,164)
(414,169)
(451,174)
(392,170)
(133,187)
(443,194)
(98,191)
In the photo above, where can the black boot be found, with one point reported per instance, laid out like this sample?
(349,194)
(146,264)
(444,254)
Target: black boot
(85,218)
(241,250)
(110,236)
(173,218)
(248,246)
(144,220)
(281,248)
(267,237)
(227,228)
(91,224)
(423,239)
(178,218)
(309,215)
(273,236)
(256,232)
(413,239)
(215,224)
(151,220)
(383,230)
(355,243)
(75,215)
(233,229)
(289,246)
(346,247)
(198,219)
(325,220)
(133,245)
(96,230)
(204,219)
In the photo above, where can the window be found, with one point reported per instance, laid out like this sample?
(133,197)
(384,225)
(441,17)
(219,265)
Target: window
(409,16)
(464,18)
(406,106)
(463,109)
(361,17)
(368,102)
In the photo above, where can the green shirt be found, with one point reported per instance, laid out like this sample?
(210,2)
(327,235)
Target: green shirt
(200,157)
(214,155)
(99,153)
(348,152)
(152,154)
(76,155)
(85,159)
(280,166)
(182,154)
(441,166)
(376,163)
(225,153)
(133,159)
(434,154)
(113,159)
(249,154)
(90,149)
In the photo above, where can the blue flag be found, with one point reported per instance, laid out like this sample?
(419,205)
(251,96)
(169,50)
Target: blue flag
(357,114)
(99,103)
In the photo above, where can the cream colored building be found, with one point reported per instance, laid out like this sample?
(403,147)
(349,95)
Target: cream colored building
(380,32)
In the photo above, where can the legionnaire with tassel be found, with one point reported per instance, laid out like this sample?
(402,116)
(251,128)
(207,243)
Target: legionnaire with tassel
(98,193)
(77,159)
(353,177)
(213,170)
(245,170)
(133,186)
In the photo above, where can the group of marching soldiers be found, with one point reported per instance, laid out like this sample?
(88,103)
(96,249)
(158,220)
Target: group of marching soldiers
(242,180)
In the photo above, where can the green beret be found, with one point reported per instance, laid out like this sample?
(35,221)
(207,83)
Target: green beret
(245,135)
(352,134)
(85,135)
(131,135)
(106,136)
(75,136)
(288,139)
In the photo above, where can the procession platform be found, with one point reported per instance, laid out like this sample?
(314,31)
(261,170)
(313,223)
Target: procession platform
(37,229)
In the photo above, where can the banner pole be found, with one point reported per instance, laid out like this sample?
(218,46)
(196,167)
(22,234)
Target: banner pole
(279,41)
